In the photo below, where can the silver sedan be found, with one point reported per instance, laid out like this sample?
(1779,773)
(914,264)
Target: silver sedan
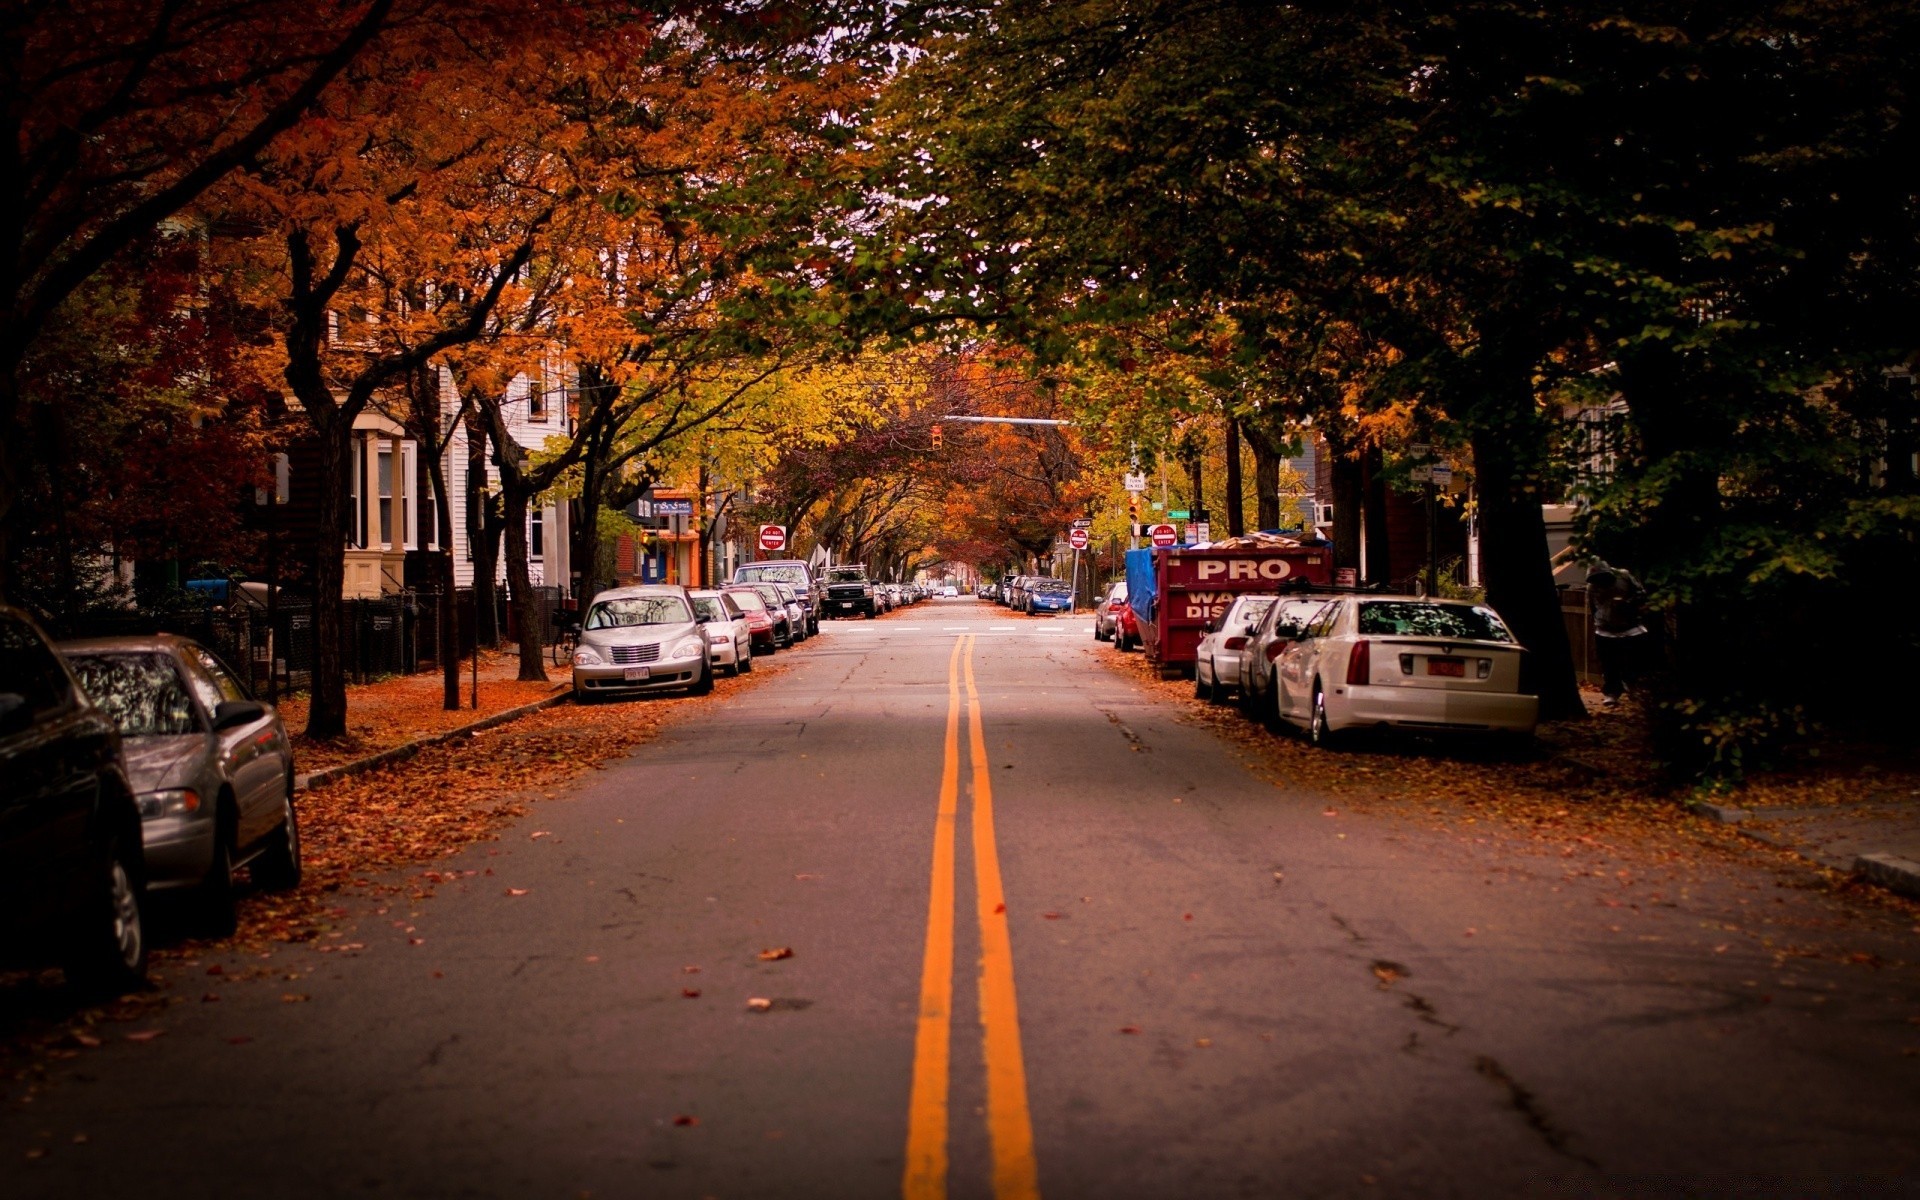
(211,767)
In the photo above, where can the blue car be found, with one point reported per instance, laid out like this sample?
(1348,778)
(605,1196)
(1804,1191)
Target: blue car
(1049,599)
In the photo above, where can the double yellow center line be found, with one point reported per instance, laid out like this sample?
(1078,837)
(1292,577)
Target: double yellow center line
(1009,1124)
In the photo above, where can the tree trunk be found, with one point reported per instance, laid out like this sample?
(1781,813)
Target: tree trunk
(1236,500)
(1344,471)
(327,708)
(526,610)
(1196,466)
(1266,478)
(449,614)
(483,536)
(1513,562)
(1374,505)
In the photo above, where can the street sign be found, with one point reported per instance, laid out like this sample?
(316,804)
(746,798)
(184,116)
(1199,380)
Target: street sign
(1179,514)
(1163,535)
(1078,539)
(1420,450)
(773,537)
(1083,522)
(1135,483)
(1442,475)
(1421,474)
(1200,532)
(1345,577)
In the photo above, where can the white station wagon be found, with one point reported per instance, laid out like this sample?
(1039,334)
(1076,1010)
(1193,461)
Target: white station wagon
(1406,663)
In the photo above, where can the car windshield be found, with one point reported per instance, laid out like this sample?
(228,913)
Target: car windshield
(791,573)
(846,575)
(709,608)
(638,610)
(1413,618)
(143,693)
(748,600)
(1051,585)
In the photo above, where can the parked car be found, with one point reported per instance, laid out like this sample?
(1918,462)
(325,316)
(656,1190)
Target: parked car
(1216,664)
(796,613)
(796,574)
(950,591)
(211,768)
(850,592)
(1409,663)
(760,621)
(783,622)
(1106,614)
(1050,596)
(729,633)
(641,639)
(1279,627)
(72,877)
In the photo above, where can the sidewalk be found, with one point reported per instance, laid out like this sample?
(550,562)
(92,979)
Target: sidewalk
(392,712)
(1867,822)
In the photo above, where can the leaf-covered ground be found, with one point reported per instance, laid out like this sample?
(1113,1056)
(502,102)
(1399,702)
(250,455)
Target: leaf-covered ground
(357,833)
(390,712)
(1588,795)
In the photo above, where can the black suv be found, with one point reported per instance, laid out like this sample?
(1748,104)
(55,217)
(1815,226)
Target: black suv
(848,591)
(72,877)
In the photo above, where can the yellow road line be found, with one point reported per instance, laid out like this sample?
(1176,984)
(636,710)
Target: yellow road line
(1009,1124)
(926,1172)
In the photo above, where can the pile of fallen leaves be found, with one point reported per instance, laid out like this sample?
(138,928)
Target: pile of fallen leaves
(390,712)
(358,834)
(1588,789)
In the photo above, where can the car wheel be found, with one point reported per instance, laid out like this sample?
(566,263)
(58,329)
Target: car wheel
(704,684)
(217,900)
(278,867)
(745,664)
(110,946)
(1318,734)
(1202,690)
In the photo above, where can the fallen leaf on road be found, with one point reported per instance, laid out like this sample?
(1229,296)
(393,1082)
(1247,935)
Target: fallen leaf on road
(1203,1043)
(537,834)
(1129,1029)
(144,1035)
(416,941)
(37,1152)
(210,997)
(1330,813)
(1050,916)
(999,908)
(806,877)
(81,1139)
(759,1003)
(1470,932)
(1722,948)
(686,1120)
(690,993)
(216,969)
(85,1039)
(690,970)
(241,1040)
(777,953)
(1187,917)
(294,998)
(518,891)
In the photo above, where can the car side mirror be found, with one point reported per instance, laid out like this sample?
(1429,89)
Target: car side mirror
(232,713)
(16,715)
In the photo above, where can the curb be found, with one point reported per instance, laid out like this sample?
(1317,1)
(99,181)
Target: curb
(1890,871)
(327,775)
(1725,814)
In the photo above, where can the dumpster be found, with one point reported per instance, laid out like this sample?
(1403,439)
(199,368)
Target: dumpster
(1177,591)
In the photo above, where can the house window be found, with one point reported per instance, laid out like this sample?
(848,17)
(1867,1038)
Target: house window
(356,512)
(386,495)
(538,536)
(536,399)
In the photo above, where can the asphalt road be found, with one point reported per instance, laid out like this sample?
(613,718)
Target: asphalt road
(1144,971)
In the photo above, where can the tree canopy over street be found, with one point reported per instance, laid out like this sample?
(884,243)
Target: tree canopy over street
(773,246)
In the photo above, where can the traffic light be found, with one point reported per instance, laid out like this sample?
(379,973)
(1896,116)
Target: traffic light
(1133,508)
(936,437)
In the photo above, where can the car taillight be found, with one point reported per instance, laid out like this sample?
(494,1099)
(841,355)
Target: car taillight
(1359,663)
(1235,643)
(1275,649)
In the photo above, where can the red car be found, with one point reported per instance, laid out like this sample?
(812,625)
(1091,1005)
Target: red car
(760,622)
(1114,621)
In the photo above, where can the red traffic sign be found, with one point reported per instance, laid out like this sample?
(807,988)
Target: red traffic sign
(1078,539)
(1163,535)
(773,537)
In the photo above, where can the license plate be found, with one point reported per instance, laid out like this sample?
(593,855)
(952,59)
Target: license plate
(1453,668)
(636,674)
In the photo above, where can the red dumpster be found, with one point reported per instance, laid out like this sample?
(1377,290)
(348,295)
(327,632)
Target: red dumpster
(1176,592)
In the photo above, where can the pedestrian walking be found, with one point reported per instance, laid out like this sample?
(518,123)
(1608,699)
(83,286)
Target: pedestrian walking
(1616,606)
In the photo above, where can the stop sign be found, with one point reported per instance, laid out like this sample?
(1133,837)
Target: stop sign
(773,537)
(1078,539)
(1163,535)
